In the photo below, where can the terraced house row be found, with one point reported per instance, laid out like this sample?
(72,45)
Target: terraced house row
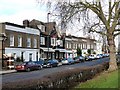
(35,39)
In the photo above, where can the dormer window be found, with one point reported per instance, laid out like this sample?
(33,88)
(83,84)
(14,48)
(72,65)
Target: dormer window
(41,27)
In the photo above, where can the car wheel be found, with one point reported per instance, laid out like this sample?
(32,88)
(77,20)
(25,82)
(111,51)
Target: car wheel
(69,63)
(28,69)
(40,67)
(57,65)
(51,66)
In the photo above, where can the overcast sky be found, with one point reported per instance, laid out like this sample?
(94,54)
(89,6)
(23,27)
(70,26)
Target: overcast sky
(15,11)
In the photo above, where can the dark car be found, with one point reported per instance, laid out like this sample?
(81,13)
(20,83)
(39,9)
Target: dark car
(28,66)
(41,62)
(68,61)
(51,63)
(79,59)
(76,59)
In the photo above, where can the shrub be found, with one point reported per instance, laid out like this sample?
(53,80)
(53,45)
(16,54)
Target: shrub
(18,59)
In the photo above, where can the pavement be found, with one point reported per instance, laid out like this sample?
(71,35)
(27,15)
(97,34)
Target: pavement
(7,71)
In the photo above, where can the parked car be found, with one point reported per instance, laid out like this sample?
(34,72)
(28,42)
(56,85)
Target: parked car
(82,58)
(105,55)
(51,63)
(79,59)
(41,62)
(68,61)
(28,66)
(98,56)
(91,57)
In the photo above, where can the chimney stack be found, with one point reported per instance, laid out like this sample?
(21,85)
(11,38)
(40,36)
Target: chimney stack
(26,23)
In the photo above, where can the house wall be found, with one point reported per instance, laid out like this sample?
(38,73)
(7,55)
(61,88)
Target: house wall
(78,42)
(24,32)
(26,53)
(2,30)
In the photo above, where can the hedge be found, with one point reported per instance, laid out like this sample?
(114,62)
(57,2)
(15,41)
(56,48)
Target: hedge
(64,79)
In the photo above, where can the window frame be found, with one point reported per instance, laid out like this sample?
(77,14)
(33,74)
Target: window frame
(19,41)
(28,42)
(42,40)
(11,40)
(35,43)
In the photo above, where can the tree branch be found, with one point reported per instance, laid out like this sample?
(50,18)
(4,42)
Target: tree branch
(110,12)
(117,10)
(99,32)
(92,27)
(116,30)
(116,34)
(97,10)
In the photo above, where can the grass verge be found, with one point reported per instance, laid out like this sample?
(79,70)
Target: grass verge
(104,80)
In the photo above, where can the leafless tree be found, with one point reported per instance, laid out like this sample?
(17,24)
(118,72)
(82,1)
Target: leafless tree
(95,16)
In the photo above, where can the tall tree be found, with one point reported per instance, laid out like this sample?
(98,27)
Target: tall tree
(100,16)
(79,52)
(89,51)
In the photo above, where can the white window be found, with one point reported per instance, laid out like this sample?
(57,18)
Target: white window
(61,43)
(80,46)
(76,46)
(73,45)
(42,40)
(83,45)
(41,27)
(53,41)
(35,43)
(86,46)
(58,42)
(91,46)
(28,42)
(30,57)
(36,56)
(11,40)
(19,41)
(67,45)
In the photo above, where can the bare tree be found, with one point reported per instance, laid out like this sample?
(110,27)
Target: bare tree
(96,15)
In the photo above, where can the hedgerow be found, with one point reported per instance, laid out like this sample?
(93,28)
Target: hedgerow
(64,79)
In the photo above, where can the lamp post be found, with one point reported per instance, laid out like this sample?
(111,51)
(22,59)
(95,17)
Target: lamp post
(48,35)
(2,38)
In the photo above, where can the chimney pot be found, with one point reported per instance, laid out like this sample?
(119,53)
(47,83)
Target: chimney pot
(26,23)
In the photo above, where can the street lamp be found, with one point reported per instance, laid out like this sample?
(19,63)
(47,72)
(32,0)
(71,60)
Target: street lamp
(2,38)
(48,35)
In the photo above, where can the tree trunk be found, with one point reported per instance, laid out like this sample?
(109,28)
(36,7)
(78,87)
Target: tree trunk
(112,62)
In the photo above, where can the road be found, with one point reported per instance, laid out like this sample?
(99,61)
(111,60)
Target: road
(18,76)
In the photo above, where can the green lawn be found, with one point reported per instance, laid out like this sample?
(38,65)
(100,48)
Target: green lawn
(104,80)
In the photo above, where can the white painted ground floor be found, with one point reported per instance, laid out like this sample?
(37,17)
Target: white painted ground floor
(23,53)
